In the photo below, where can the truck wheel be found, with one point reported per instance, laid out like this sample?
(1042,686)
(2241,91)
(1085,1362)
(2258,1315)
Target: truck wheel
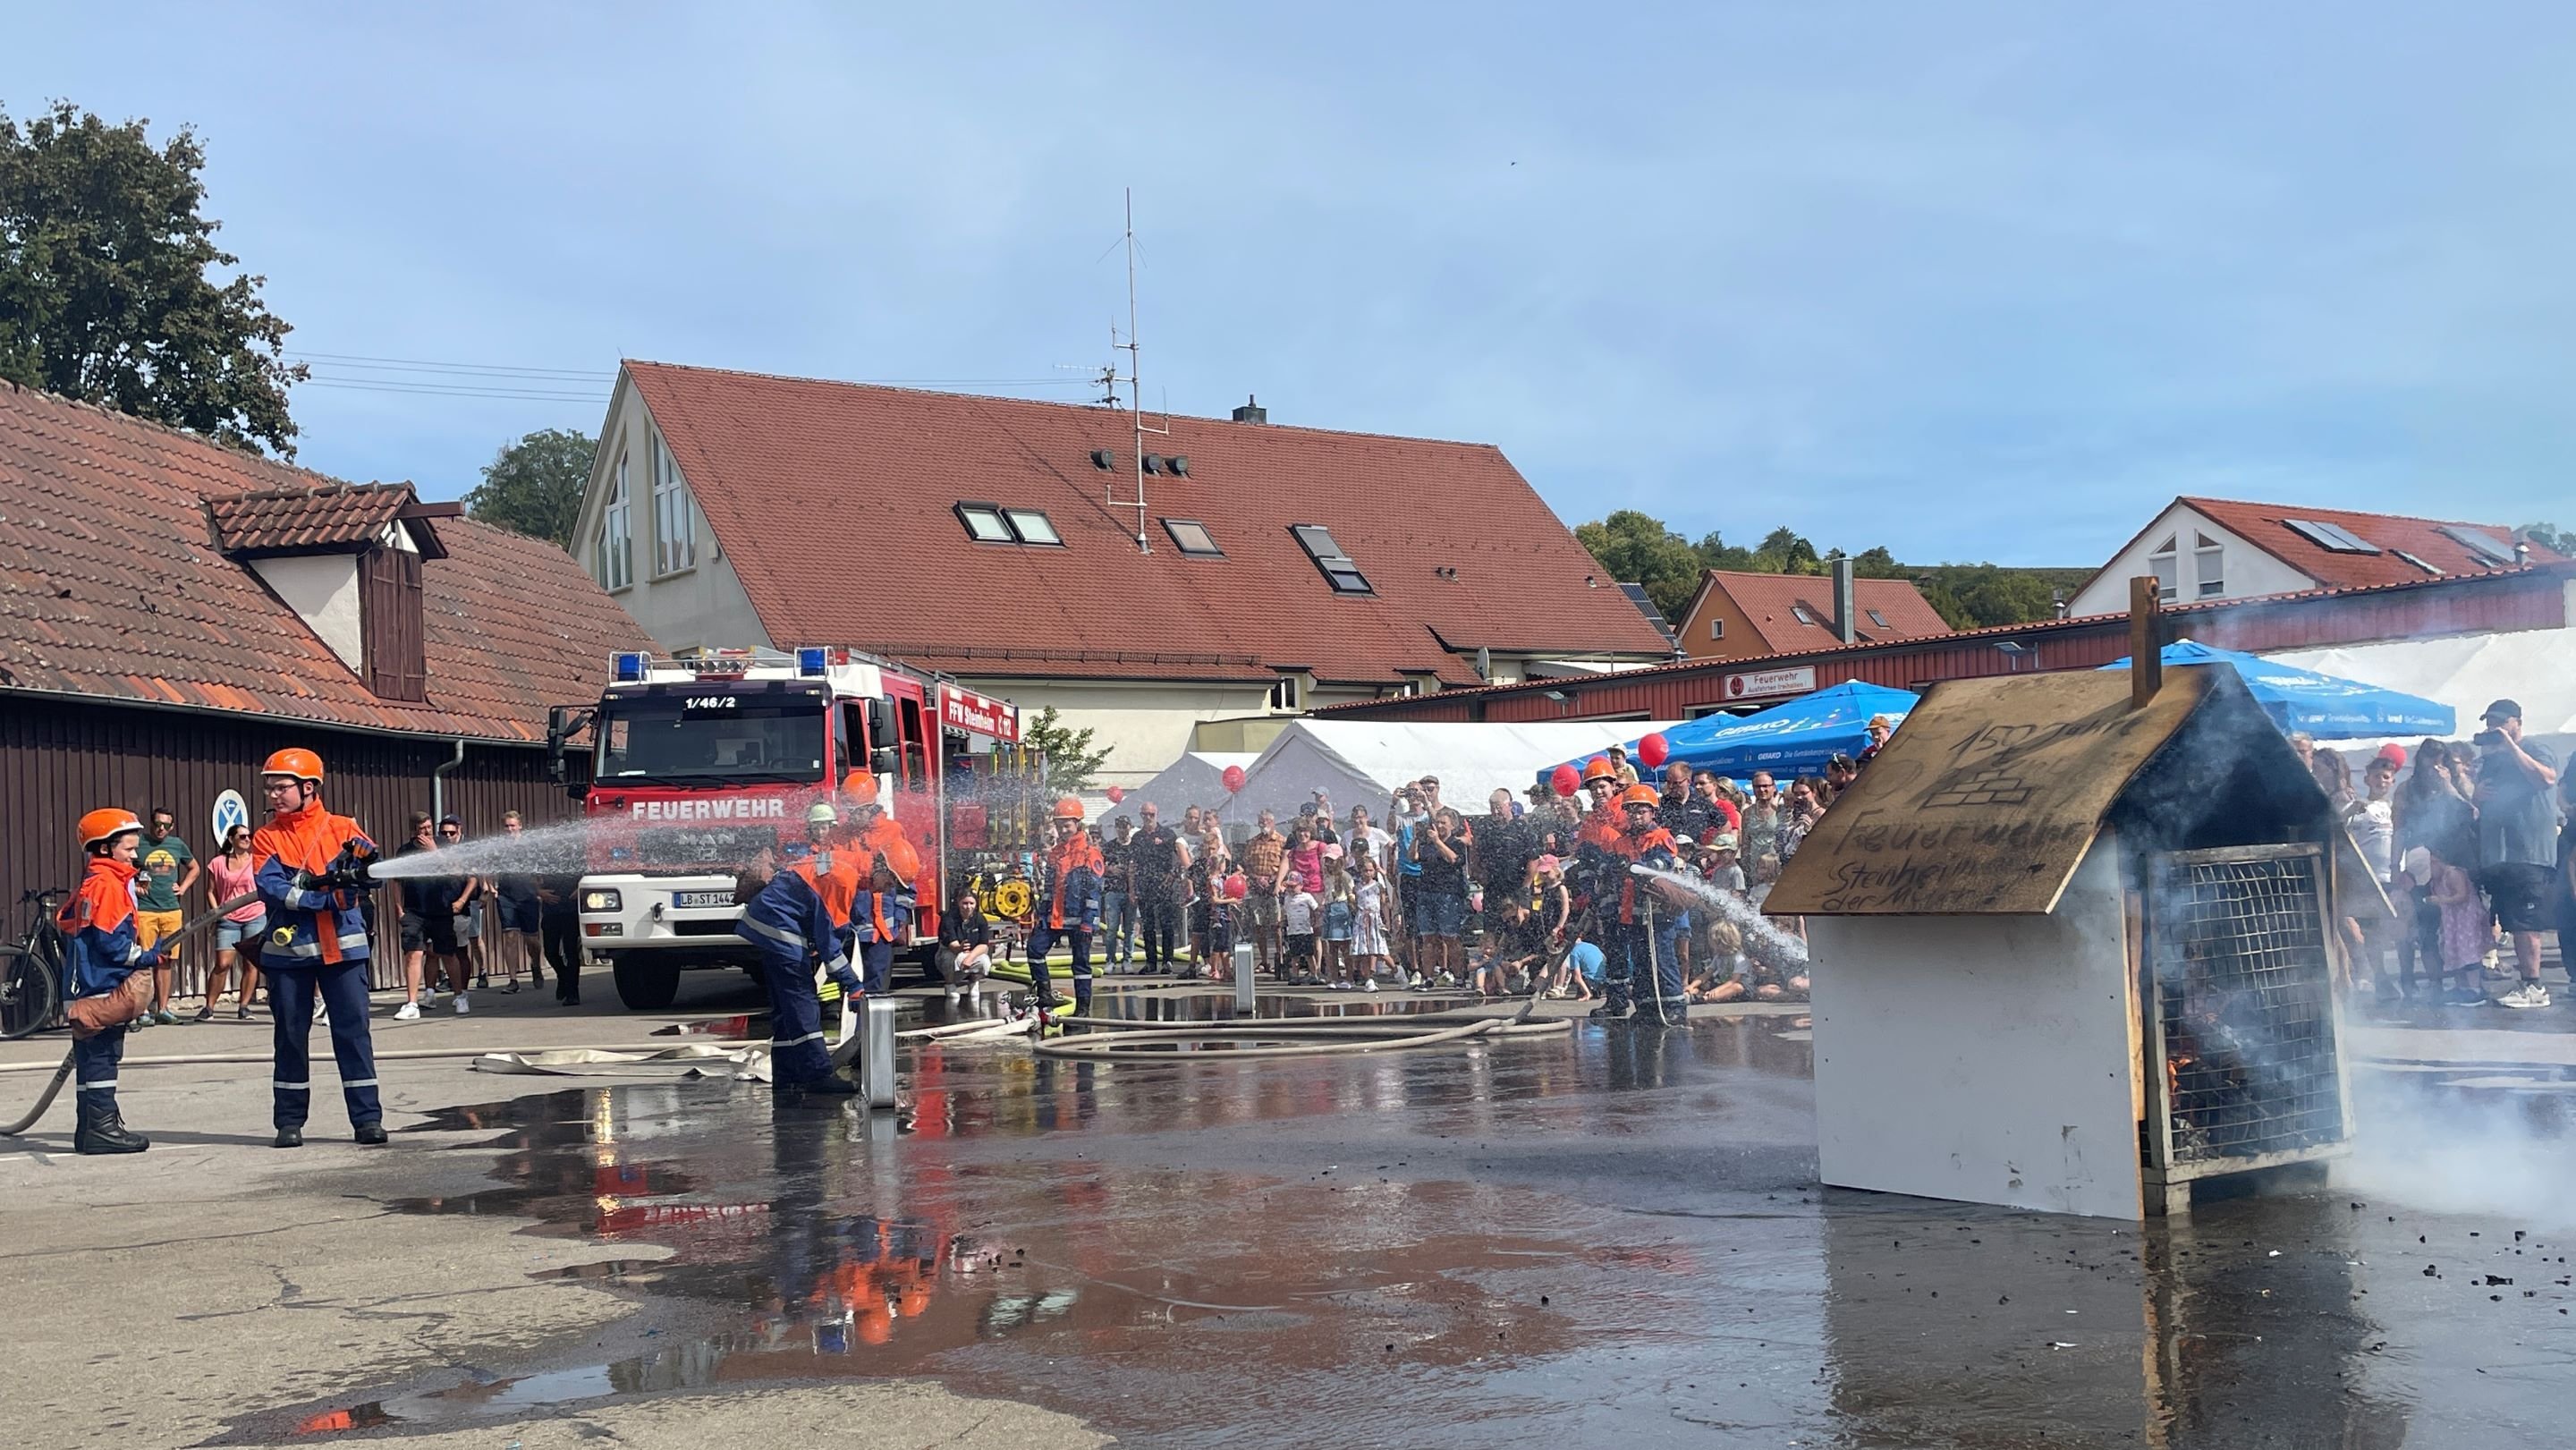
(645,985)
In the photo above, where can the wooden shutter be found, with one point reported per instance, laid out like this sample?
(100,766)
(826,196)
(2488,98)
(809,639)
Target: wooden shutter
(390,618)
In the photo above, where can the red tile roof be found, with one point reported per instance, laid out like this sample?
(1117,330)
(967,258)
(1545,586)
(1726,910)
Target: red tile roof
(834,502)
(1771,601)
(337,517)
(111,587)
(2265,526)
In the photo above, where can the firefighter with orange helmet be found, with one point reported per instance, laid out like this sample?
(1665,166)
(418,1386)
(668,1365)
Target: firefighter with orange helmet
(1640,933)
(100,951)
(312,868)
(1603,821)
(1068,908)
(888,866)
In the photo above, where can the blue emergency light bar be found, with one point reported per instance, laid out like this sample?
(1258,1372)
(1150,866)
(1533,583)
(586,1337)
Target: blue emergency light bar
(629,666)
(811,661)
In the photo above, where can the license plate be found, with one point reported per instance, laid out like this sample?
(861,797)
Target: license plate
(688,900)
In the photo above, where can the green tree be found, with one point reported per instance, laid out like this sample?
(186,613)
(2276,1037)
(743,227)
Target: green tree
(1972,596)
(1716,553)
(1786,551)
(1637,548)
(1070,761)
(1878,563)
(107,292)
(534,486)
(2550,536)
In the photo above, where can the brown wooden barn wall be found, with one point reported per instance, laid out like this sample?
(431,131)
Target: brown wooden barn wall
(60,757)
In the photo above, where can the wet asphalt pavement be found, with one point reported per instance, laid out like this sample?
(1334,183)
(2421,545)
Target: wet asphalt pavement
(1609,1237)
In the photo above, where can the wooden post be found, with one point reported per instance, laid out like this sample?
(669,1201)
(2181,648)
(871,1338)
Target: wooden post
(2146,641)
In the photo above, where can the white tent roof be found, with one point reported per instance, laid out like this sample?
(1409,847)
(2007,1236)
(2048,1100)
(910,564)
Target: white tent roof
(2534,667)
(1361,762)
(1197,778)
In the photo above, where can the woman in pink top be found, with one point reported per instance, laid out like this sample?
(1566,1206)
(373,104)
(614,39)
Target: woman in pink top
(236,936)
(1306,860)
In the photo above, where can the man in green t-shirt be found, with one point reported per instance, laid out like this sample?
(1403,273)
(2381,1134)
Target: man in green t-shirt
(166,868)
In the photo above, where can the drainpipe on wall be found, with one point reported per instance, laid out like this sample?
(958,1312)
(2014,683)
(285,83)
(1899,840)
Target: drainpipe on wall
(438,782)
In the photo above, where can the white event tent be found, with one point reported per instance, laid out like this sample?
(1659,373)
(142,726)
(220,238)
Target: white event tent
(1197,778)
(1361,762)
(2536,668)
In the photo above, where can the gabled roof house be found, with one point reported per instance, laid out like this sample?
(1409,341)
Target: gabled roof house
(172,609)
(2214,548)
(1002,541)
(1738,615)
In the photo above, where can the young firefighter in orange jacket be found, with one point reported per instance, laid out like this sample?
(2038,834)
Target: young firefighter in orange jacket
(1069,877)
(881,916)
(100,952)
(316,945)
(1641,938)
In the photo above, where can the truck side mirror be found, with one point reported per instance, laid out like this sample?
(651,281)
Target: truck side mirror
(884,760)
(562,723)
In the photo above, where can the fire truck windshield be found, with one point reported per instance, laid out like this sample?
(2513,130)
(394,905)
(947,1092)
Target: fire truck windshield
(711,739)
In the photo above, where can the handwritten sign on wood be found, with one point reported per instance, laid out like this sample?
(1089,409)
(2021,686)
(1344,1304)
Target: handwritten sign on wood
(1986,799)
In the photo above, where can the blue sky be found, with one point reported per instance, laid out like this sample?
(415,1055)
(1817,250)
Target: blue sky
(1973,281)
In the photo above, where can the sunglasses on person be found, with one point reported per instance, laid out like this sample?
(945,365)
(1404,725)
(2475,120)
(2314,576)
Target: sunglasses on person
(449,833)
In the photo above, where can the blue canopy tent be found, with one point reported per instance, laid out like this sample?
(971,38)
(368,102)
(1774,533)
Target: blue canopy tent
(1794,738)
(2324,707)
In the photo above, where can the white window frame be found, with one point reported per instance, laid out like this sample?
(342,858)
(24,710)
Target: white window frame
(2166,564)
(2209,565)
(1287,694)
(1717,629)
(675,533)
(613,552)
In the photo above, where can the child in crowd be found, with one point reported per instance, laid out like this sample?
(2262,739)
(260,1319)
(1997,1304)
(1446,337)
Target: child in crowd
(1718,863)
(1225,893)
(2466,936)
(1766,874)
(1582,971)
(1341,896)
(965,945)
(1300,913)
(1369,931)
(1726,976)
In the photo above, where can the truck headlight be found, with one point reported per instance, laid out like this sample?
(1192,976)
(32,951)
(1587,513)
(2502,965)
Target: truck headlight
(602,900)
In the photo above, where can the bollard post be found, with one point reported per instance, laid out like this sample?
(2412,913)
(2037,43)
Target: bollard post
(1243,979)
(876,1053)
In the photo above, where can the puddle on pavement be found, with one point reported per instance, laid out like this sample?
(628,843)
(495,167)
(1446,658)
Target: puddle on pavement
(1563,1242)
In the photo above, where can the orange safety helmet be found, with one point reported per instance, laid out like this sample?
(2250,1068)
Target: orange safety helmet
(296,761)
(1068,809)
(861,787)
(106,824)
(1599,768)
(1641,795)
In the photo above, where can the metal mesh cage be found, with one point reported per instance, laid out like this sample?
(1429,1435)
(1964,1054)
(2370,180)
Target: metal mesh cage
(2244,1000)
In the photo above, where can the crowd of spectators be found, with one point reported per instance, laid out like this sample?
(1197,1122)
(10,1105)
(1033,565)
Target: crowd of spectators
(1441,897)
(2476,843)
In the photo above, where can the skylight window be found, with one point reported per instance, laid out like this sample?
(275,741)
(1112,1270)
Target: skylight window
(2334,538)
(1339,571)
(1032,526)
(2486,546)
(1192,537)
(1802,614)
(1876,618)
(984,523)
(2428,569)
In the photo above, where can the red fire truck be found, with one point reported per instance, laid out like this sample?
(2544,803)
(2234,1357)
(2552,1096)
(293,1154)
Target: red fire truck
(702,765)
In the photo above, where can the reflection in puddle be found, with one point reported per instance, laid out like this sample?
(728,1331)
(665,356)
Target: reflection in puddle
(1575,1242)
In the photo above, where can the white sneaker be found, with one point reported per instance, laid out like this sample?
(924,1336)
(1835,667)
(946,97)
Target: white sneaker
(321,1010)
(407,1012)
(1370,985)
(2529,994)
(463,1007)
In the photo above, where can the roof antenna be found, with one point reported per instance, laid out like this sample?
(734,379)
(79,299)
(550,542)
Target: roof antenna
(1135,389)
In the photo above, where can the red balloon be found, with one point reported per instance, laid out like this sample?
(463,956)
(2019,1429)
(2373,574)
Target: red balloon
(1565,780)
(1236,886)
(1116,794)
(1652,750)
(1233,779)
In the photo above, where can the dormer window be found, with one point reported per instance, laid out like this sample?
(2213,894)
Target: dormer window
(348,561)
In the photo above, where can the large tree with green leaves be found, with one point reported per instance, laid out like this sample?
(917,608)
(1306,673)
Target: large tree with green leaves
(534,486)
(1636,548)
(1071,762)
(113,291)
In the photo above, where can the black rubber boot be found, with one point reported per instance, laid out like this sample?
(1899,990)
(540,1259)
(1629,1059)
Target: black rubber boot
(288,1138)
(103,1130)
(371,1133)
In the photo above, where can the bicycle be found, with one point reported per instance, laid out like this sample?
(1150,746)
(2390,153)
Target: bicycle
(31,971)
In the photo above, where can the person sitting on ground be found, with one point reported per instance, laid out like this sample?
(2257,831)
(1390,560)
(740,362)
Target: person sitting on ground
(965,945)
(1727,976)
(1582,971)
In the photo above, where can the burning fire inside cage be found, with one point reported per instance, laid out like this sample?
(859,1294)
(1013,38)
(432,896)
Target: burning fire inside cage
(2240,1013)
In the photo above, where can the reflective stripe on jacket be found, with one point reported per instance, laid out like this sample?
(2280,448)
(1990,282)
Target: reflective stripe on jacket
(789,918)
(308,928)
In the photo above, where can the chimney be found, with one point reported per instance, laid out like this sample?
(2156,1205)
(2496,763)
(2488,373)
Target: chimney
(1251,411)
(2522,553)
(2146,640)
(1846,604)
